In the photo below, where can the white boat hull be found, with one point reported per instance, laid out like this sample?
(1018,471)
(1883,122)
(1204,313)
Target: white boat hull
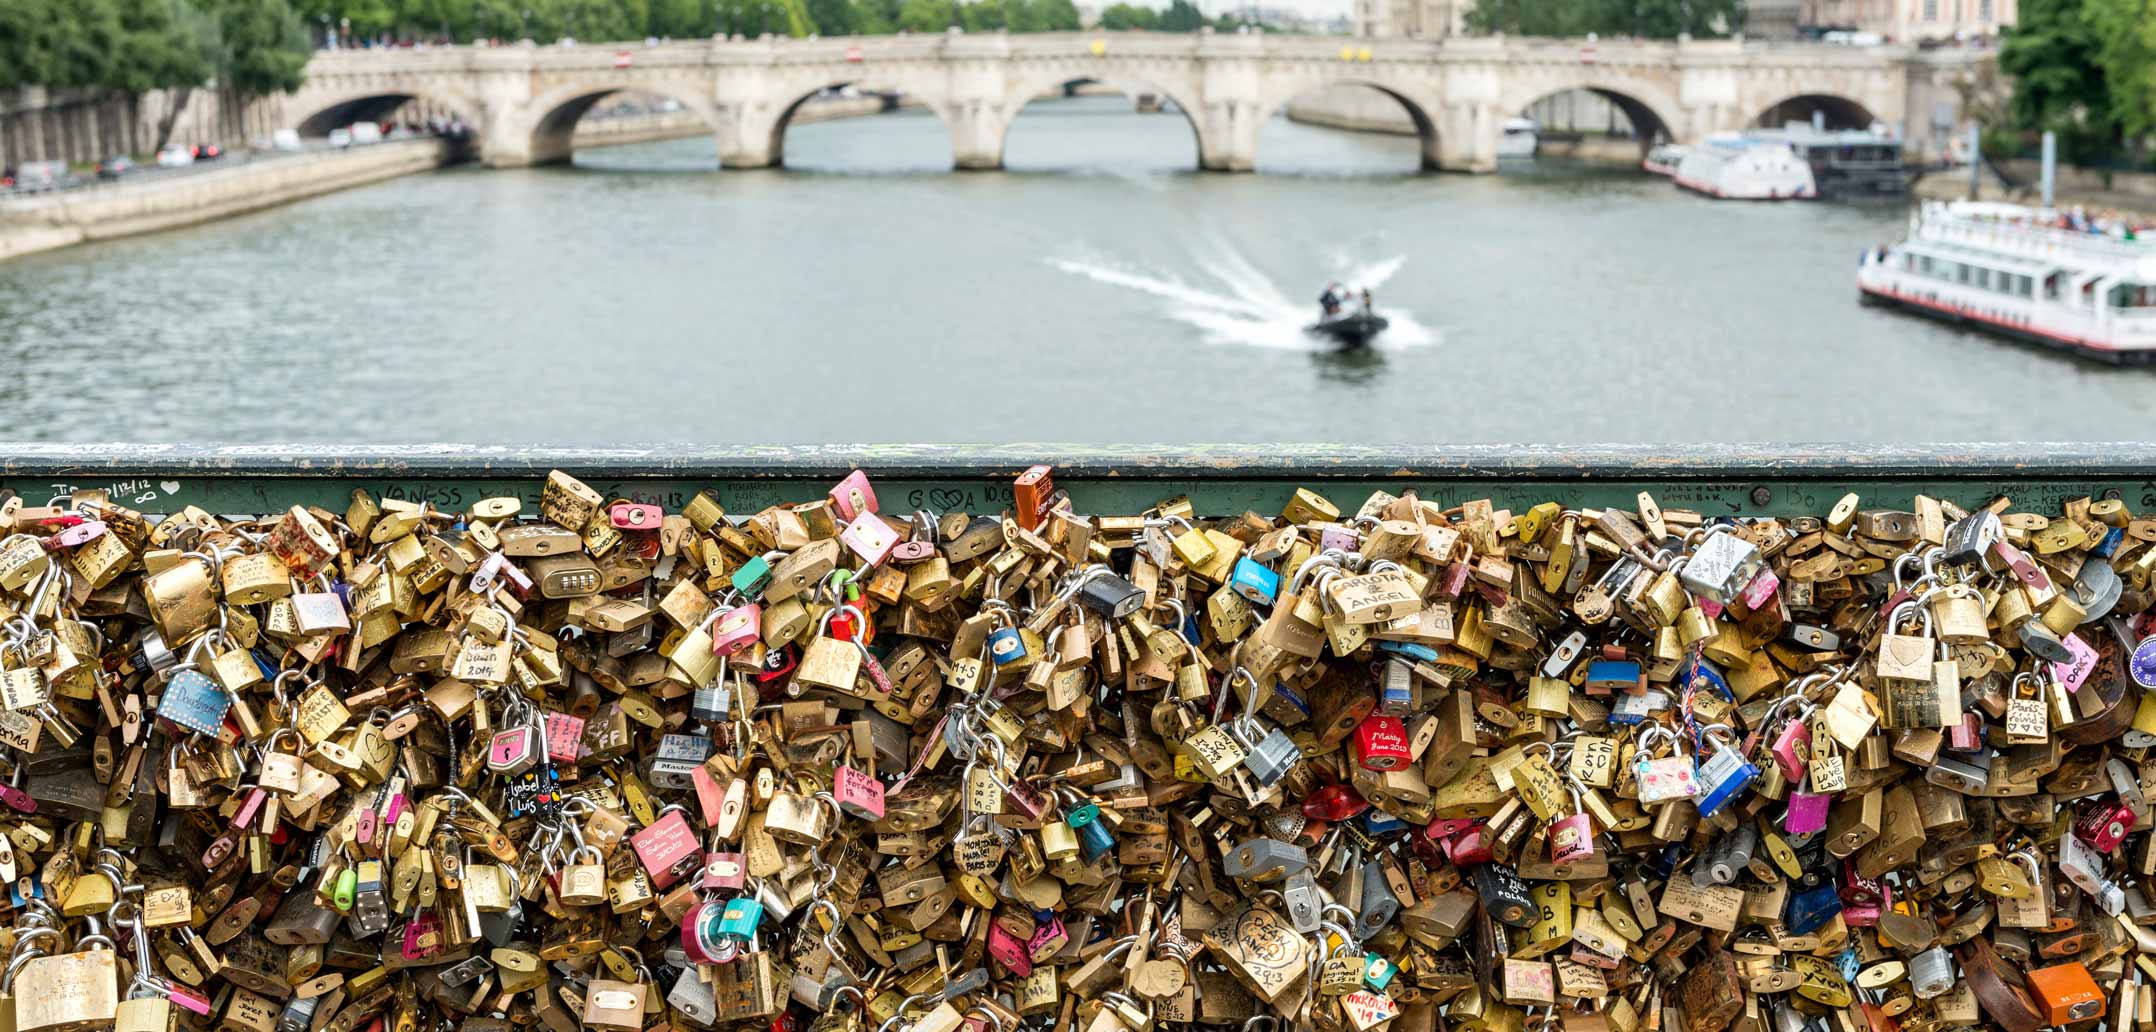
(2102,335)
(1764,172)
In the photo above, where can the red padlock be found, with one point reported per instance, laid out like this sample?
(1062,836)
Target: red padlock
(1333,803)
(1381,742)
(1859,891)
(2104,825)
(1468,847)
(725,871)
(663,846)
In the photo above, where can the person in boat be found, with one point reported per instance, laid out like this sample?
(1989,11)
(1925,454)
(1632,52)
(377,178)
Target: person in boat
(1366,300)
(1330,300)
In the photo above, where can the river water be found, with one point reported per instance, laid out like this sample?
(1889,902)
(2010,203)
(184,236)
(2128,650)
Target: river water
(1098,291)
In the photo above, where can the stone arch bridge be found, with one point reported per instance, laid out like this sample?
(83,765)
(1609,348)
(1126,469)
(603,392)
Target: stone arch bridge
(525,100)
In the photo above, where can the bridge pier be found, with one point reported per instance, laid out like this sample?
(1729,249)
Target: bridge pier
(1466,139)
(978,126)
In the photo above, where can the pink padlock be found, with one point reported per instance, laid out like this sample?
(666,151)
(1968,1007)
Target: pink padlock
(1967,735)
(870,538)
(2073,673)
(564,737)
(663,847)
(1793,750)
(1044,933)
(635,516)
(1008,951)
(1710,607)
(1860,917)
(736,629)
(80,534)
(422,937)
(1807,812)
(853,497)
(1859,891)
(1572,839)
(1761,591)
(858,794)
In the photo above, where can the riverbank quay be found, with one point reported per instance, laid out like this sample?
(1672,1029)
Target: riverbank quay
(42,222)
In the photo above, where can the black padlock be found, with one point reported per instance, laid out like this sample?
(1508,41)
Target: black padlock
(1109,595)
(1503,895)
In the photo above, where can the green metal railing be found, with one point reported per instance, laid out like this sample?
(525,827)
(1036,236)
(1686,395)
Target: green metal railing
(1220,480)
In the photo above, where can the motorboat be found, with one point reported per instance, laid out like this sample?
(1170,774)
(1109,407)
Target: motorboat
(2052,278)
(1349,329)
(1521,136)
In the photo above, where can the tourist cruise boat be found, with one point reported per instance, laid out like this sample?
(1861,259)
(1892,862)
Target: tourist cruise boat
(1664,159)
(1795,162)
(2017,271)
(1734,166)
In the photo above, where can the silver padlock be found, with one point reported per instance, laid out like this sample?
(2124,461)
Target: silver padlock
(677,758)
(1961,772)
(1721,566)
(693,998)
(1270,756)
(1379,905)
(1969,538)
(1306,908)
(1931,973)
(1264,859)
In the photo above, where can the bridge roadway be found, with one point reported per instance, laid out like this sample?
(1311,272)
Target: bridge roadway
(525,99)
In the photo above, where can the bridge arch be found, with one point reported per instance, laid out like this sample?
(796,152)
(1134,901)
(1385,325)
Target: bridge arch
(1422,112)
(375,105)
(1649,112)
(1050,82)
(1837,111)
(765,138)
(542,130)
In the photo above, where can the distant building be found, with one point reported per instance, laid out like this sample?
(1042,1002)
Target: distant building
(1772,20)
(1912,21)
(1414,19)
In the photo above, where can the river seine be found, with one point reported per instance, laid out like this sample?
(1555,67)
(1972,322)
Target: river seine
(1096,291)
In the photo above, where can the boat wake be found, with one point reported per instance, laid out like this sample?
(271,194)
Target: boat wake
(1237,304)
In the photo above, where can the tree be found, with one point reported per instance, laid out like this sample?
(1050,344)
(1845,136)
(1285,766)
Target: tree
(835,17)
(2126,53)
(984,15)
(1129,16)
(925,15)
(2059,84)
(1182,16)
(264,46)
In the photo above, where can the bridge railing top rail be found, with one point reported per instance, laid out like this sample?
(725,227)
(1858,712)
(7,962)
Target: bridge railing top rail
(1220,480)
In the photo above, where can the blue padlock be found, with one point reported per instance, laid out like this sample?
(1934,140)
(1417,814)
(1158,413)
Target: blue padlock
(1377,822)
(1699,670)
(741,917)
(1810,908)
(1005,646)
(1724,776)
(1254,582)
(1093,836)
(1419,653)
(194,702)
(2113,538)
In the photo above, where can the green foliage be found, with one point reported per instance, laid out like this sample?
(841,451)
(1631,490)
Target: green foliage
(1182,16)
(263,46)
(1129,16)
(2125,31)
(2055,57)
(1652,19)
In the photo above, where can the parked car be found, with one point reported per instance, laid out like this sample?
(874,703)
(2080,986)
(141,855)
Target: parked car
(286,140)
(365,133)
(35,176)
(116,166)
(175,156)
(208,152)
(340,138)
